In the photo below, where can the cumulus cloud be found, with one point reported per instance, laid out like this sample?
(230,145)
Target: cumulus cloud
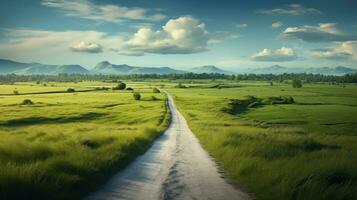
(291,9)
(277,24)
(87,47)
(342,51)
(183,35)
(278,55)
(104,13)
(323,32)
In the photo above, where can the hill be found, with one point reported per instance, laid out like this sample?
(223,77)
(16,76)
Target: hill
(9,67)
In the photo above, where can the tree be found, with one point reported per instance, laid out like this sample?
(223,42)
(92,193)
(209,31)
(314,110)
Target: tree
(27,102)
(121,86)
(137,96)
(297,83)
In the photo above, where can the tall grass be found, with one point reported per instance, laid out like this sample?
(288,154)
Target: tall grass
(64,145)
(304,150)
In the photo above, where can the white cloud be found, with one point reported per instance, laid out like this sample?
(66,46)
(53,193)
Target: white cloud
(277,24)
(108,12)
(342,51)
(278,55)
(324,32)
(38,43)
(292,9)
(87,47)
(183,35)
(242,25)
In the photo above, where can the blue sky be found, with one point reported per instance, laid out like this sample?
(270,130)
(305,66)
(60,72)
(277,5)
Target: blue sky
(232,34)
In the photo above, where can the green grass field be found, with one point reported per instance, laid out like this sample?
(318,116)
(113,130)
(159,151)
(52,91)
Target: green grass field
(67,143)
(304,150)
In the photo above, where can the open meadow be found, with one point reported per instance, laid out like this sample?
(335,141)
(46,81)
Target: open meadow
(276,141)
(61,140)
(59,145)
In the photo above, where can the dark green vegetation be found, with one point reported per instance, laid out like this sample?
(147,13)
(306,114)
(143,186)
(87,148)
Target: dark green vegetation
(297,83)
(276,141)
(61,145)
(238,106)
(120,86)
(136,96)
(308,78)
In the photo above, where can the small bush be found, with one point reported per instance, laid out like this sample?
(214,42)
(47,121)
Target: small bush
(16,92)
(129,88)
(120,86)
(155,90)
(137,96)
(71,90)
(26,102)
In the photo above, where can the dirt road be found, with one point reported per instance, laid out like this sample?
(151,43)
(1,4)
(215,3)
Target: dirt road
(175,167)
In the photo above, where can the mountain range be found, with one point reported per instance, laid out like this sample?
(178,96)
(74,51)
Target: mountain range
(107,68)
(9,66)
(277,69)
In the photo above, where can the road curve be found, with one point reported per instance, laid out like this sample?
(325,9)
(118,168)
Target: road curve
(175,167)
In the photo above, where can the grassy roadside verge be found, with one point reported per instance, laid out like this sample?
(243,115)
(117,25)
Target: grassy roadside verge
(304,150)
(65,145)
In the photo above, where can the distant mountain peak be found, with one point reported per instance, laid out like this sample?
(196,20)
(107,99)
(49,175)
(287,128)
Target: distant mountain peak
(104,63)
(209,69)
(277,67)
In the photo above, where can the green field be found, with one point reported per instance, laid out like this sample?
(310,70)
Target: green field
(67,143)
(303,150)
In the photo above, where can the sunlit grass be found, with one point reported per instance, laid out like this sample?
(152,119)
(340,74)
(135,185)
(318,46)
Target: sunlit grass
(64,144)
(304,150)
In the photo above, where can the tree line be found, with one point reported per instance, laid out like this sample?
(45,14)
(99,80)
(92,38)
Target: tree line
(307,78)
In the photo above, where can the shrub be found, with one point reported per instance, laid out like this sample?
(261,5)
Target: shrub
(297,83)
(155,90)
(16,92)
(279,100)
(129,88)
(120,86)
(27,102)
(236,106)
(137,96)
(71,90)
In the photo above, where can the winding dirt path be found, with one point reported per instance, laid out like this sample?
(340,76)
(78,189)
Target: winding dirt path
(175,167)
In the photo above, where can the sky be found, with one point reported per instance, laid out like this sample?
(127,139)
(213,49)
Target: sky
(232,34)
